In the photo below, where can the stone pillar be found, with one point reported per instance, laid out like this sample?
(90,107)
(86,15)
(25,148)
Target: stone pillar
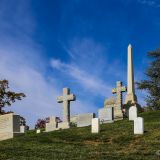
(130,97)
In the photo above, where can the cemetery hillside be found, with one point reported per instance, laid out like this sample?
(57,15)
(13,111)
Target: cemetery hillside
(80,80)
(115,141)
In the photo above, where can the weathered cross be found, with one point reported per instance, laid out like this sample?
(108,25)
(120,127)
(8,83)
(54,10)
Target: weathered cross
(65,99)
(119,90)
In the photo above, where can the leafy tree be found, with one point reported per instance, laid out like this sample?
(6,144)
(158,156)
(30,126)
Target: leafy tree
(41,123)
(152,84)
(7,97)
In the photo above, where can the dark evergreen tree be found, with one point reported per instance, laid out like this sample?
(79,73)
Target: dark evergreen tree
(152,83)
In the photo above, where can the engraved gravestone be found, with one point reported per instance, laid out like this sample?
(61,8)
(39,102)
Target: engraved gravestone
(95,125)
(132,113)
(22,129)
(9,126)
(85,119)
(138,125)
(52,125)
(106,115)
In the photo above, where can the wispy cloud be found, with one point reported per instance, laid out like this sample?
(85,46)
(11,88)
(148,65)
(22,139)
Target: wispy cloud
(88,66)
(86,80)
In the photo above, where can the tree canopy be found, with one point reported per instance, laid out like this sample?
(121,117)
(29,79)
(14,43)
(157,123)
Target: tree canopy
(152,83)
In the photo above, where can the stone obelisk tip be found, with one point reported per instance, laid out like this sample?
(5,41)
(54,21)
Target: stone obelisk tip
(129,46)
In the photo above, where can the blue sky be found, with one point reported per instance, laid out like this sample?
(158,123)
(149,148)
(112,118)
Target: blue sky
(81,44)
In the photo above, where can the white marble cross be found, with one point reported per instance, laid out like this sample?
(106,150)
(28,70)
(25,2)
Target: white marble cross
(65,99)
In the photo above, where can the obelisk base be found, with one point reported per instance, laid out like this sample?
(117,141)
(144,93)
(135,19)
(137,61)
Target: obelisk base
(131,98)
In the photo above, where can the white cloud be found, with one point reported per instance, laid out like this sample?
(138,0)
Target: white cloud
(86,80)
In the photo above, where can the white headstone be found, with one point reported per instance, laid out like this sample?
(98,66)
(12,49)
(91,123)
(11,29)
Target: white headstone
(9,126)
(132,113)
(106,115)
(22,129)
(52,125)
(95,125)
(38,131)
(138,125)
(63,125)
(85,119)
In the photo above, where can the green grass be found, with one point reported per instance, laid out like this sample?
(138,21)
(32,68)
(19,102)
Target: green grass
(115,142)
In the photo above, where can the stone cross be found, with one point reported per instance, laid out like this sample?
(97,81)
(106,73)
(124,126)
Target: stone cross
(119,90)
(65,99)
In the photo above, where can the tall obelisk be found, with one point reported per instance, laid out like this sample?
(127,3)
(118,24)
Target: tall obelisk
(130,97)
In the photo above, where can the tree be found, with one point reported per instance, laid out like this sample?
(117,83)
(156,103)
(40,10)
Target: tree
(41,123)
(8,97)
(152,84)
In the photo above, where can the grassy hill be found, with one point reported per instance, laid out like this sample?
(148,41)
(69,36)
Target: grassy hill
(115,142)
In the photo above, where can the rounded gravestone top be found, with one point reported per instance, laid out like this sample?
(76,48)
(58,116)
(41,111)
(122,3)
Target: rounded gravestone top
(110,101)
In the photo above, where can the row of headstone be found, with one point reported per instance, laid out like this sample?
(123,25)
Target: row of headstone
(138,122)
(10,123)
(105,115)
(81,120)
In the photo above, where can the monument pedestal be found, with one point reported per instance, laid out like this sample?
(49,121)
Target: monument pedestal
(118,115)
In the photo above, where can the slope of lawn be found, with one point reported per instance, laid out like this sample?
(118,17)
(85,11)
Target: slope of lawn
(116,141)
